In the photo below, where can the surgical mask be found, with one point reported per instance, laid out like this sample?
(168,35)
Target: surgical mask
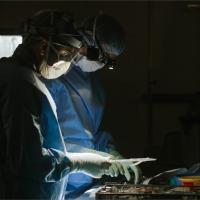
(89,65)
(56,70)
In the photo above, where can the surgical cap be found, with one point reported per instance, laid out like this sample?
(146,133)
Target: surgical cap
(108,31)
(57,24)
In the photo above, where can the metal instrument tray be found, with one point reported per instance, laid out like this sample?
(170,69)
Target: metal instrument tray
(139,192)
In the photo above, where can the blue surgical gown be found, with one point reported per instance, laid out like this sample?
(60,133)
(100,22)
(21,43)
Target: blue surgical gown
(80,100)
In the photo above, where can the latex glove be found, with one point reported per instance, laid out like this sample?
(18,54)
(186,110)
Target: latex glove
(116,167)
(127,167)
(91,164)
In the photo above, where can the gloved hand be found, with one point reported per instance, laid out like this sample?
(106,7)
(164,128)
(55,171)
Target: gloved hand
(91,164)
(127,167)
(112,165)
(115,167)
(120,167)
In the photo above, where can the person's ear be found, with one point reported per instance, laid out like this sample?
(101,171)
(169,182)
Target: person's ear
(43,47)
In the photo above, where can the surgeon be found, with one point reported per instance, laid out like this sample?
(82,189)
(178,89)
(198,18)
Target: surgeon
(34,160)
(80,98)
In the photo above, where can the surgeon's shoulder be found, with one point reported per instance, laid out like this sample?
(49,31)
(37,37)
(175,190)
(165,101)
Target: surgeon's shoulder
(11,71)
(16,79)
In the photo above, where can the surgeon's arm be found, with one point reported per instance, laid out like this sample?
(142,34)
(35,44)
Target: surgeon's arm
(21,122)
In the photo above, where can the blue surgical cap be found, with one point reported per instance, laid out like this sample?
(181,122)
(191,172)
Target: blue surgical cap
(108,32)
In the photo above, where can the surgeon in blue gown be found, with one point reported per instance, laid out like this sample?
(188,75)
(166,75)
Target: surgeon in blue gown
(34,160)
(80,98)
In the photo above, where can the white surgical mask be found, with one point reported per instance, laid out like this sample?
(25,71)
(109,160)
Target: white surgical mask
(56,70)
(89,65)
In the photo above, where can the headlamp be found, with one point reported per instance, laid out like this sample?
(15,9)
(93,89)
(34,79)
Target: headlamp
(111,64)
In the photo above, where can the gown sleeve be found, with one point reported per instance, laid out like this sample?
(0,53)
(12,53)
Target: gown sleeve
(25,155)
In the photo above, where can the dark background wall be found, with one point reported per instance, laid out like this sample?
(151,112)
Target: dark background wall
(162,57)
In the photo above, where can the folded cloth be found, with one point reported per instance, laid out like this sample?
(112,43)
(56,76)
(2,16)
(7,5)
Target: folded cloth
(164,177)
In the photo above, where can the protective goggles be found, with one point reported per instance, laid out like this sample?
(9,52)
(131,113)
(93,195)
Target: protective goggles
(67,53)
